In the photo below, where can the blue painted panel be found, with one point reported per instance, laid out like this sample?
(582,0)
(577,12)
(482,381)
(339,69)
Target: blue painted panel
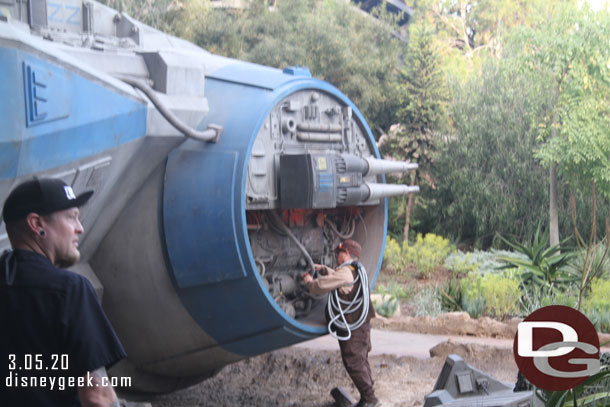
(256,75)
(247,310)
(199,205)
(46,97)
(99,118)
(266,342)
(249,321)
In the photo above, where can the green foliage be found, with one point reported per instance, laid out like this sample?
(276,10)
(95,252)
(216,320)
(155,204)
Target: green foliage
(151,12)
(591,262)
(571,52)
(427,302)
(394,289)
(532,300)
(426,254)
(501,295)
(474,306)
(485,289)
(334,40)
(389,305)
(421,116)
(489,180)
(598,260)
(393,259)
(496,295)
(597,306)
(600,318)
(472,295)
(451,295)
(545,267)
(422,89)
(484,262)
(593,392)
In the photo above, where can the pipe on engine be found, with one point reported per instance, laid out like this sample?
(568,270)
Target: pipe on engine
(374,166)
(378,191)
(377,166)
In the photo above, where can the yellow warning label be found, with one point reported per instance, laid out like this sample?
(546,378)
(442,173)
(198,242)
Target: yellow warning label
(322,163)
(344,180)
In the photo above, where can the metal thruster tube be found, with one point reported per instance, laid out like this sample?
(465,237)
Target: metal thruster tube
(378,191)
(377,166)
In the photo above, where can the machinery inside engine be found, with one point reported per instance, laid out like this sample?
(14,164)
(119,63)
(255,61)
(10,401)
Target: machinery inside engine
(287,243)
(313,179)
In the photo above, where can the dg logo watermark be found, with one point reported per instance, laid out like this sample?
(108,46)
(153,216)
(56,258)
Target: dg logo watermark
(556,348)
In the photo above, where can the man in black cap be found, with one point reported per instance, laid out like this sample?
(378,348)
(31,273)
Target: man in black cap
(355,345)
(56,341)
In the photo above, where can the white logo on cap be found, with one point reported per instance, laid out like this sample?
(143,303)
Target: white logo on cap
(69,193)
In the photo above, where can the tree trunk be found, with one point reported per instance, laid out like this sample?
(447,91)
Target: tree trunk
(553,198)
(553,211)
(410,203)
(408,216)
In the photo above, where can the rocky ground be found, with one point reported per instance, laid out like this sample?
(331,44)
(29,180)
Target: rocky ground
(304,377)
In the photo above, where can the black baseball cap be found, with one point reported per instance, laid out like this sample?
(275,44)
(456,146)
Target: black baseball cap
(41,196)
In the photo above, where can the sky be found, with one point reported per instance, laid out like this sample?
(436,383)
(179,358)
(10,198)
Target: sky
(597,4)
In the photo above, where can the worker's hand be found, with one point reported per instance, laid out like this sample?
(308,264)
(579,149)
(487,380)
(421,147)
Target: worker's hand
(307,278)
(321,268)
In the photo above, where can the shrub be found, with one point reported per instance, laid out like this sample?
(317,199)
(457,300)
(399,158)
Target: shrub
(501,295)
(460,263)
(390,298)
(393,258)
(387,308)
(473,306)
(472,300)
(427,302)
(531,300)
(451,295)
(482,261)
(597,306)
(396,290)
(600,319)
(426,254)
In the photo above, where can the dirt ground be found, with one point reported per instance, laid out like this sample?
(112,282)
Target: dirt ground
(302,377)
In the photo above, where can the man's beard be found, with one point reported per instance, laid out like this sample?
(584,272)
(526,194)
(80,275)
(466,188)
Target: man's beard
(68,260)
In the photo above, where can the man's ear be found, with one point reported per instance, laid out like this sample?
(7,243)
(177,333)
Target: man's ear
(35,222)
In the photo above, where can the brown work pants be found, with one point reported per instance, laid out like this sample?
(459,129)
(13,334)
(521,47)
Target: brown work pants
(355,355)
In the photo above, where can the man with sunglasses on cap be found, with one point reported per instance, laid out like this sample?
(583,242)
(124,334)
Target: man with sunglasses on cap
(56,341)
(354,350)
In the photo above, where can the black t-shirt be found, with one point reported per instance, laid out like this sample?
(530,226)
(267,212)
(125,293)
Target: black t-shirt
(52,329)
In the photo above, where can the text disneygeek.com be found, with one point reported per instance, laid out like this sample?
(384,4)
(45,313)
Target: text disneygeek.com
(25,372)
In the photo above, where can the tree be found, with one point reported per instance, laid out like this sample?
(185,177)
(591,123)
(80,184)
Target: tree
(423,98)
(571,51)
(357,53)
(151,12)
(488,178)
(470,31)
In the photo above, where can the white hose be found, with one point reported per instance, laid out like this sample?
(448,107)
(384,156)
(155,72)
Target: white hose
(296,241)
(338,308)
(211,134)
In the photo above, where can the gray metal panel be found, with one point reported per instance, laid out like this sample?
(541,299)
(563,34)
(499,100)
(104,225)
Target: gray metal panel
(135,278)
(176,74)
(302,122)
(38,10)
